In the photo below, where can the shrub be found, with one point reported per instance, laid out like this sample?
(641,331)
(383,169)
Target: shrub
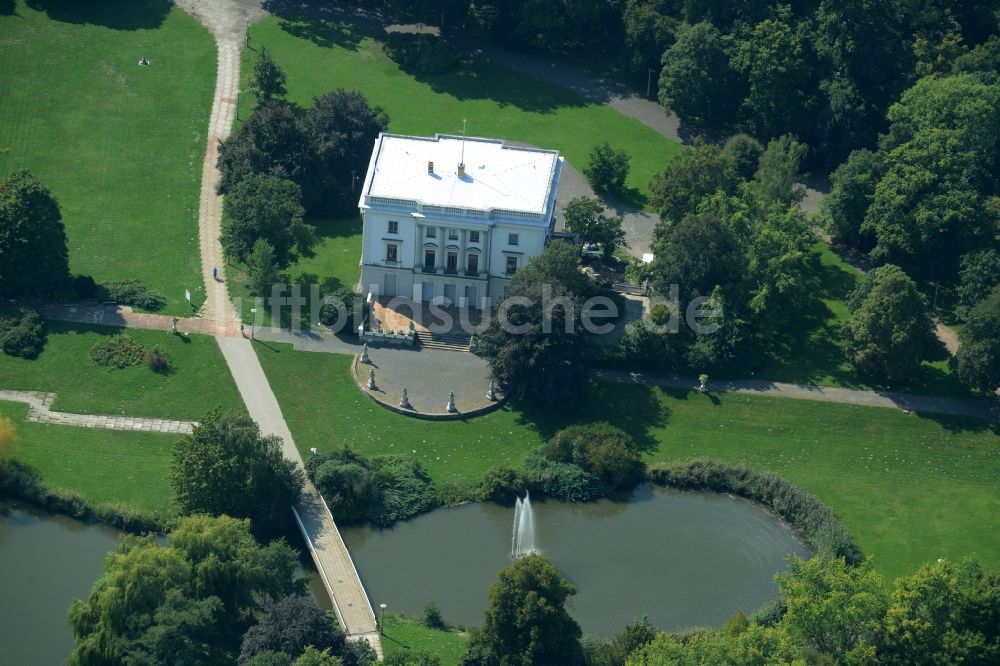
(133,292)
(607,169)
(84,287)
(502,484)
(150,300)
(431,617)
(22,333)
(117,352)
(421,53)
(814,520)
(558,480)
(157,360)
(340,311)
(605,452)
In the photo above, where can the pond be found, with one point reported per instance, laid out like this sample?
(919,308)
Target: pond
(682,559)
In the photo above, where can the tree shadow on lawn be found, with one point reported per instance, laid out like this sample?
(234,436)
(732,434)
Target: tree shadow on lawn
(323,33)
(114,14)
(634,408)
(7,7)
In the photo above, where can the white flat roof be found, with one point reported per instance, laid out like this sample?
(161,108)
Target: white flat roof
(497,176)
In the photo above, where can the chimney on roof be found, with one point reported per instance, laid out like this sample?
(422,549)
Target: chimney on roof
(461,170)
(430,167)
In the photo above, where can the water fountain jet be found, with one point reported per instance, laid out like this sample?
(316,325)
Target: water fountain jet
(523,540)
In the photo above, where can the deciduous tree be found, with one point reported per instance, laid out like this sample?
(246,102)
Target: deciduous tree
(979,351)
(697,82)
(33,254)
(607,169)
(586,216)
(263,207)
(268,81)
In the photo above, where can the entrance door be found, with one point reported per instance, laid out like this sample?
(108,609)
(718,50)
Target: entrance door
(426,291)
(472,296)
(390,285)
(449,293)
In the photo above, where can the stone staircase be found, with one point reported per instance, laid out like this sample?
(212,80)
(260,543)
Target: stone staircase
(457,342)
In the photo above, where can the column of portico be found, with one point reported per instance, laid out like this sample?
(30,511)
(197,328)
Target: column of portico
(484,256)
(418,249)
(439,253)
(462,259)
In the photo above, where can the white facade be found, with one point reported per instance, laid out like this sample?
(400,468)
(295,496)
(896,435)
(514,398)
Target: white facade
(452,218)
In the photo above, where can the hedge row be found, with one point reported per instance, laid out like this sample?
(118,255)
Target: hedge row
(813,519)
(19,481)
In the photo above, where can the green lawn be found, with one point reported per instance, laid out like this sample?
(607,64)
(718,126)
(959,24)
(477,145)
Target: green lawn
(119,145)
(402,633)
(911,488)
(104,466)
(319,57)
(199,381)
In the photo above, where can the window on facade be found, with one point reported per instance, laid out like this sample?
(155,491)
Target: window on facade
(473,263)
(453,234)
(390,253)
(452,261)
(511,239)
(393,227)
(429,259)
(432,232)
(511,265)
(473,236)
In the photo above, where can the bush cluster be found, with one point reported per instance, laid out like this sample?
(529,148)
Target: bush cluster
(421,53)
(813,519)
(117,352)
(605,452)
(20,481)
(381,490)
(344,302)
(134,292)
(156,360)
(22,333)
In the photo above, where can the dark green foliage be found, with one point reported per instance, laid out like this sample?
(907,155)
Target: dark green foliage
(843,209)
(84,287)
(814,520)
(289,625)
(421,53)
(891,332)
(156,360)
(586,216)
(22,333)
(559,263)
(226,466)
(265,207)
(607,169)
(697,82)
(189,601)
(431,617)
(745,152)
(19,480)
(380,490)
(131,291)
(615,651)
(607,453)
(535,346)
(33,255)
(262,268)
(979,352)
(342,127)
(526,623)
(777,174)
(269,658)
(560,480)
(979,274)
(117,352)
(503,484)
(268,81)
(649,31)
(698,252)
(691,176)
(342,310)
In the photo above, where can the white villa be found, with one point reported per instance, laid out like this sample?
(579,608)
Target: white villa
(451,219)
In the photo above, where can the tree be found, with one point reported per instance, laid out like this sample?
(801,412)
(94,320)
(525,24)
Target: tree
(273,142)
(22,333)
(843,209)
(607,169)
(649,31)
(290,625)
(891,332)
(313,657)
(268,80)
(226,466)
(585,216)
(697,82)
(756,644)
(979,274)
(696,173)
(526,623)
(778,173)
(833,608)
(773,61)
(615,652)
(33,255)
(262,268)
(265,208)
(698,252)
(342,127)
(188,601)
(979,351)
(607,453)
(745,152)
(535,346)
(559,263)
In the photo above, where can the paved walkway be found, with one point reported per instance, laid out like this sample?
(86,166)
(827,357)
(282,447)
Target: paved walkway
(981,409)
(40,411)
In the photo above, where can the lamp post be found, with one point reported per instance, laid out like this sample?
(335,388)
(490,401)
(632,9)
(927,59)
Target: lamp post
(381,622)
(253,320)
(649,81)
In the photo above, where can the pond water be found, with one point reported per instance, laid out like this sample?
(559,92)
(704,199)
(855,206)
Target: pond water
(682,559)
(45,562)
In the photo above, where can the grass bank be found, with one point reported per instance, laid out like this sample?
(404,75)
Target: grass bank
(199,380)
(403,633)
(911,488)
(119,145)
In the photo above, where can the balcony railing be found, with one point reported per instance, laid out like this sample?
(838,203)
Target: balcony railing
(390,262)
(451,271)
(428,269)
(473,274)
(509,274)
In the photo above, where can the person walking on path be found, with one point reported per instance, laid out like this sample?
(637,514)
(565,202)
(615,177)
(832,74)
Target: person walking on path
(215,273)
